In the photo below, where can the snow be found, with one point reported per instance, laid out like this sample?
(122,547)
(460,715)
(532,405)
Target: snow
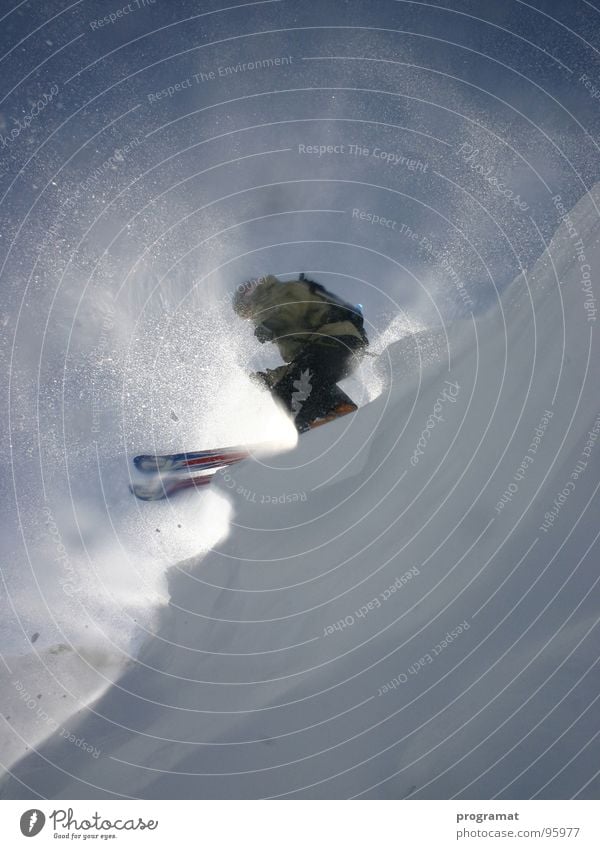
(284,664)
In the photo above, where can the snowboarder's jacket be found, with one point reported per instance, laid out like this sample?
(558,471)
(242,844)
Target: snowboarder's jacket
(298,313)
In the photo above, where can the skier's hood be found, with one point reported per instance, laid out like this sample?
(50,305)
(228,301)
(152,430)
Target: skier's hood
(244,301)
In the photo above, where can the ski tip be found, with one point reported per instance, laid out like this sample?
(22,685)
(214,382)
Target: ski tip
(146,463)
(146,494)
(162,489)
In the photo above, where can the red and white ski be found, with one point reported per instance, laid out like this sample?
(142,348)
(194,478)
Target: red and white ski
(166,474)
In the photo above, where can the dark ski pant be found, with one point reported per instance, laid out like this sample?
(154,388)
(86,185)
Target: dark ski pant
(308,388)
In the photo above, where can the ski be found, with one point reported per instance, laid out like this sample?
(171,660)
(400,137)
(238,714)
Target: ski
(167,474)
(211,459)
(158,487)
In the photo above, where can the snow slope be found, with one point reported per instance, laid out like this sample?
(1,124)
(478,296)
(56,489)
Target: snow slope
(372,622)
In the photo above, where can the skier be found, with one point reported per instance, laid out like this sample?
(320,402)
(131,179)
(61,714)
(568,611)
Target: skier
(319,336)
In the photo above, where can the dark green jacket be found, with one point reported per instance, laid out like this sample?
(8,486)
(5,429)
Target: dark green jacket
(294,316)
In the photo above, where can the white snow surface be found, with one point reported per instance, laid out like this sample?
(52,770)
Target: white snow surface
(283,665)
